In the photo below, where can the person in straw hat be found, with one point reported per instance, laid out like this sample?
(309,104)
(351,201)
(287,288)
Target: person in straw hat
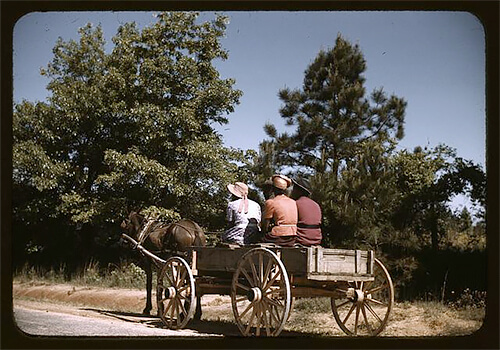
(279,221)
(309,220)
(243,216)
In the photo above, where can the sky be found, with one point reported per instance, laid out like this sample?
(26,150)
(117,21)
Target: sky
(434,60)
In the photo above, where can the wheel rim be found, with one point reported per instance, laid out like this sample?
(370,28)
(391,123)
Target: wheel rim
(260,294)
(176,293)
(365,308)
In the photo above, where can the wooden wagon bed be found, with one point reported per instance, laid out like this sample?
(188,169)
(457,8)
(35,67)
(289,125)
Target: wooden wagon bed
(263,279)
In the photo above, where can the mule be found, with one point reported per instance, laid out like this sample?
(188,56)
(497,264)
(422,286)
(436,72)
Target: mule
(165,239)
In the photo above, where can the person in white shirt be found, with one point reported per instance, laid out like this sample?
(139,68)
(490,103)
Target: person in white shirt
(243,216)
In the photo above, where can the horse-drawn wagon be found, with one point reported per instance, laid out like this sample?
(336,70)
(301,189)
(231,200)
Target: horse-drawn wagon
(263,279)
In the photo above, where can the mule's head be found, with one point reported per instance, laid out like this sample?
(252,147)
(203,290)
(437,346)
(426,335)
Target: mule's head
(131,225)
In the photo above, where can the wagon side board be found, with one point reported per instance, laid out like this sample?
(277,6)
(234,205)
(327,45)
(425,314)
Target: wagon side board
(313,263)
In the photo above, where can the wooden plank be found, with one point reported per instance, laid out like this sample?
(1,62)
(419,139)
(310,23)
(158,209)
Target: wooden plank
(295,260)
(311,292)
(219,259)
(339,277)
(208,288)
(194,258)
(358,262)
(371,258)
(310,260)
(319,260)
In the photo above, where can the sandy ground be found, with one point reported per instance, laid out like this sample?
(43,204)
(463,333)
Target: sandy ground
(407,320)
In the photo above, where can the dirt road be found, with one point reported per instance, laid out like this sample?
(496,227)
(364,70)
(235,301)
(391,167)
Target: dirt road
(34,318)
(124,307)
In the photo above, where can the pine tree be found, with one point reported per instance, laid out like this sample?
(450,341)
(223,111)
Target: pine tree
(331,113)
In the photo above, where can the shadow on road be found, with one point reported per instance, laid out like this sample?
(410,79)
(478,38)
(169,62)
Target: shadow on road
(149,320)
(228,329)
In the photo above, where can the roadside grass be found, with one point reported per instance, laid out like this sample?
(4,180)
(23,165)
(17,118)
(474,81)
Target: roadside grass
(123,275)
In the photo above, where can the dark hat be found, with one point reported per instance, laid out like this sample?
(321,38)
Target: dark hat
(268,182)
(303,184)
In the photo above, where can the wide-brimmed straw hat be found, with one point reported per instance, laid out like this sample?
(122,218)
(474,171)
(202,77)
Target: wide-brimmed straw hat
(281,181)
(239,189)
(303,184)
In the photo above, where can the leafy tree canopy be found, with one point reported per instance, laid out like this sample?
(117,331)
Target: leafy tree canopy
(132,127)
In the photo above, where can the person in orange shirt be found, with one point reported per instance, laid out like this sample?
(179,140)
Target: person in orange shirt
(279,221)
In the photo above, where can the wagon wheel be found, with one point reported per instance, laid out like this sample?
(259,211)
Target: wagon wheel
(365,307)
(175,293)
(260,293)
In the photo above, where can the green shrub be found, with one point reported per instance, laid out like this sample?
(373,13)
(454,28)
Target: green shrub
(128,276)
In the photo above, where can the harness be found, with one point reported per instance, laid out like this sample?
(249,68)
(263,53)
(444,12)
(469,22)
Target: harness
(145,232)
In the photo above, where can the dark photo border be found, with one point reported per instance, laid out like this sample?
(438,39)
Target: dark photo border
(487,337)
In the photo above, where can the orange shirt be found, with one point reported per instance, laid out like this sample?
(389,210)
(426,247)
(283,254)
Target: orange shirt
(283,211)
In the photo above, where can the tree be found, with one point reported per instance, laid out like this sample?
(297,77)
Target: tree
(128,128)
(427,180)
(332,114)
(339,137)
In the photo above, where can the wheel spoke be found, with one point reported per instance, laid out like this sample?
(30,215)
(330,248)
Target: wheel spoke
(169,304)
(250,322)
(374,313)
(247,309)
(272,280)
(243,298)
(366,320)
(273,301)
(258,319)
(242,286)
(376,289)
(163,300)
(182,278)
(169,279)
(378,302)
(344,303)
(266,323)
(261,267)
(255,275)
(173,268)
(247,276)
(177,311)
(183,309)
(356,321)
(268,270)
(183,288)
(172,310)
(349,313)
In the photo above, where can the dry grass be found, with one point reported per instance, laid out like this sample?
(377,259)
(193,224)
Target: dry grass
(314,316)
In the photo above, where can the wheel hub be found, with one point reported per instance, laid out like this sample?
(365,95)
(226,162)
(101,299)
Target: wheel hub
(254,294)
(170,292)
(360,296)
